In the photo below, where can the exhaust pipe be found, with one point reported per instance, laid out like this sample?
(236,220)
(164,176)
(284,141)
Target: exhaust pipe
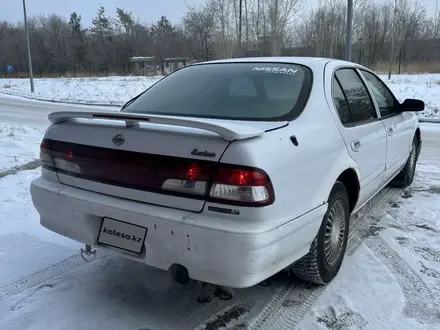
(179,274)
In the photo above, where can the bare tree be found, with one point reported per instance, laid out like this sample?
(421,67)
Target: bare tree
(57,32)
(324,30)
(269,27)
(376,20)
(433,23)
(408,18)
(281,14)
(199,26)
(225,19)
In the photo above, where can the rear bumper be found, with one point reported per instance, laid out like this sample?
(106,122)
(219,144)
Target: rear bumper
(212,256)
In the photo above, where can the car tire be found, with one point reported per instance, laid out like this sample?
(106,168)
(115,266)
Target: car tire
(321,265)
(406,176)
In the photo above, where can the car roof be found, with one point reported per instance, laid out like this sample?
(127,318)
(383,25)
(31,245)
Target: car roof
(312,62)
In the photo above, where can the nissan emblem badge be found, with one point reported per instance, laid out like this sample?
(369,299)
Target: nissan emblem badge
(118,140)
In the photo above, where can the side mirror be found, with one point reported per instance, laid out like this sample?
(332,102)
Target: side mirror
(412,105)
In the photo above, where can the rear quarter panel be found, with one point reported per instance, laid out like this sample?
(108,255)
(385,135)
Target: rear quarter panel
(303,175)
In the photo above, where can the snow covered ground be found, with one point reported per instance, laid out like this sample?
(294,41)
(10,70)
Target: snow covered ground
(118,90)
(19,145)
(104,91)
(390,278)
(425,87)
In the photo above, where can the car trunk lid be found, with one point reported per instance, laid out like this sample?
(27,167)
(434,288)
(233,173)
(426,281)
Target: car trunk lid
(141,157)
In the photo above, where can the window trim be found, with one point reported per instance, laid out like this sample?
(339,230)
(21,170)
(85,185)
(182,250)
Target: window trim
(372,95)
(294,113)
(373,101)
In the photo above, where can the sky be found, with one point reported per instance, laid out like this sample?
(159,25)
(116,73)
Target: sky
(146,10)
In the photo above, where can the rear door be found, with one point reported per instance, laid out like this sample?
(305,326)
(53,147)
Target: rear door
(396,123)
(362,131)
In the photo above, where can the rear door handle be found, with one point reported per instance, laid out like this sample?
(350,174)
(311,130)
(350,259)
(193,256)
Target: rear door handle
(390,131)
(355,145)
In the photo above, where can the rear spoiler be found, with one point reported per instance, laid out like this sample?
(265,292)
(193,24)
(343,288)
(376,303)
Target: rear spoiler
(228,131)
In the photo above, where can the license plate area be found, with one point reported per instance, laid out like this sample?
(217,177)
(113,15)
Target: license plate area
(122,235)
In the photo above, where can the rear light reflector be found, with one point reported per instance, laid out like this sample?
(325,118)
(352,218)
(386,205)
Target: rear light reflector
(192,180)
(185,186)
(244,194)
(66,166)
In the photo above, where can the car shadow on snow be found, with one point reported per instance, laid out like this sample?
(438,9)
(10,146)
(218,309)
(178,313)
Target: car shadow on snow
(117,293)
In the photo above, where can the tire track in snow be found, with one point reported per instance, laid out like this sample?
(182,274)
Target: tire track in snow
(38,278)
(280,313)
(421,301)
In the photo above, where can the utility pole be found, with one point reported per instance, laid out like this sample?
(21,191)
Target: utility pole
(393,41)
(349,30)
(28,47)
(240,14)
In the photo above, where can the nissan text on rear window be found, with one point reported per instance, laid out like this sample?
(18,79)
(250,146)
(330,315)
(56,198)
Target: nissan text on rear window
(240,91)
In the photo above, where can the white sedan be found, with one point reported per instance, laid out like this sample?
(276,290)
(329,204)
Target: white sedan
(230,171)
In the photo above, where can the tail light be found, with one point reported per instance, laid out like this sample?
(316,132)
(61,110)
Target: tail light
(45,155)
(232,185)
(242,186)
(192,180)
(54,159)
(229,184)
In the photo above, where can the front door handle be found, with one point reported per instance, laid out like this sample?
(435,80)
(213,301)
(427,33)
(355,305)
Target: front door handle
(355,145)
(390,131)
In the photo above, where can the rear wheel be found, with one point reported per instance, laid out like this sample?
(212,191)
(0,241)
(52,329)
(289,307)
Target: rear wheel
(406,177)
(327,252)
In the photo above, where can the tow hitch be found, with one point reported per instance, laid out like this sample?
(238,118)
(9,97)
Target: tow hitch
(88,254)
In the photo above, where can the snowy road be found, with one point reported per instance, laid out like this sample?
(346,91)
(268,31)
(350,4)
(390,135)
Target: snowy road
(116,90)
(15,110)
(22,123)
(389,280)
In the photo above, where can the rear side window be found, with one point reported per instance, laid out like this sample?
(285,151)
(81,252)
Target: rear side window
(241,91)
(359,101)
(341,103)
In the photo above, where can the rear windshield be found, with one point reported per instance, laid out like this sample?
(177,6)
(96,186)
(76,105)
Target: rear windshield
(242,91)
